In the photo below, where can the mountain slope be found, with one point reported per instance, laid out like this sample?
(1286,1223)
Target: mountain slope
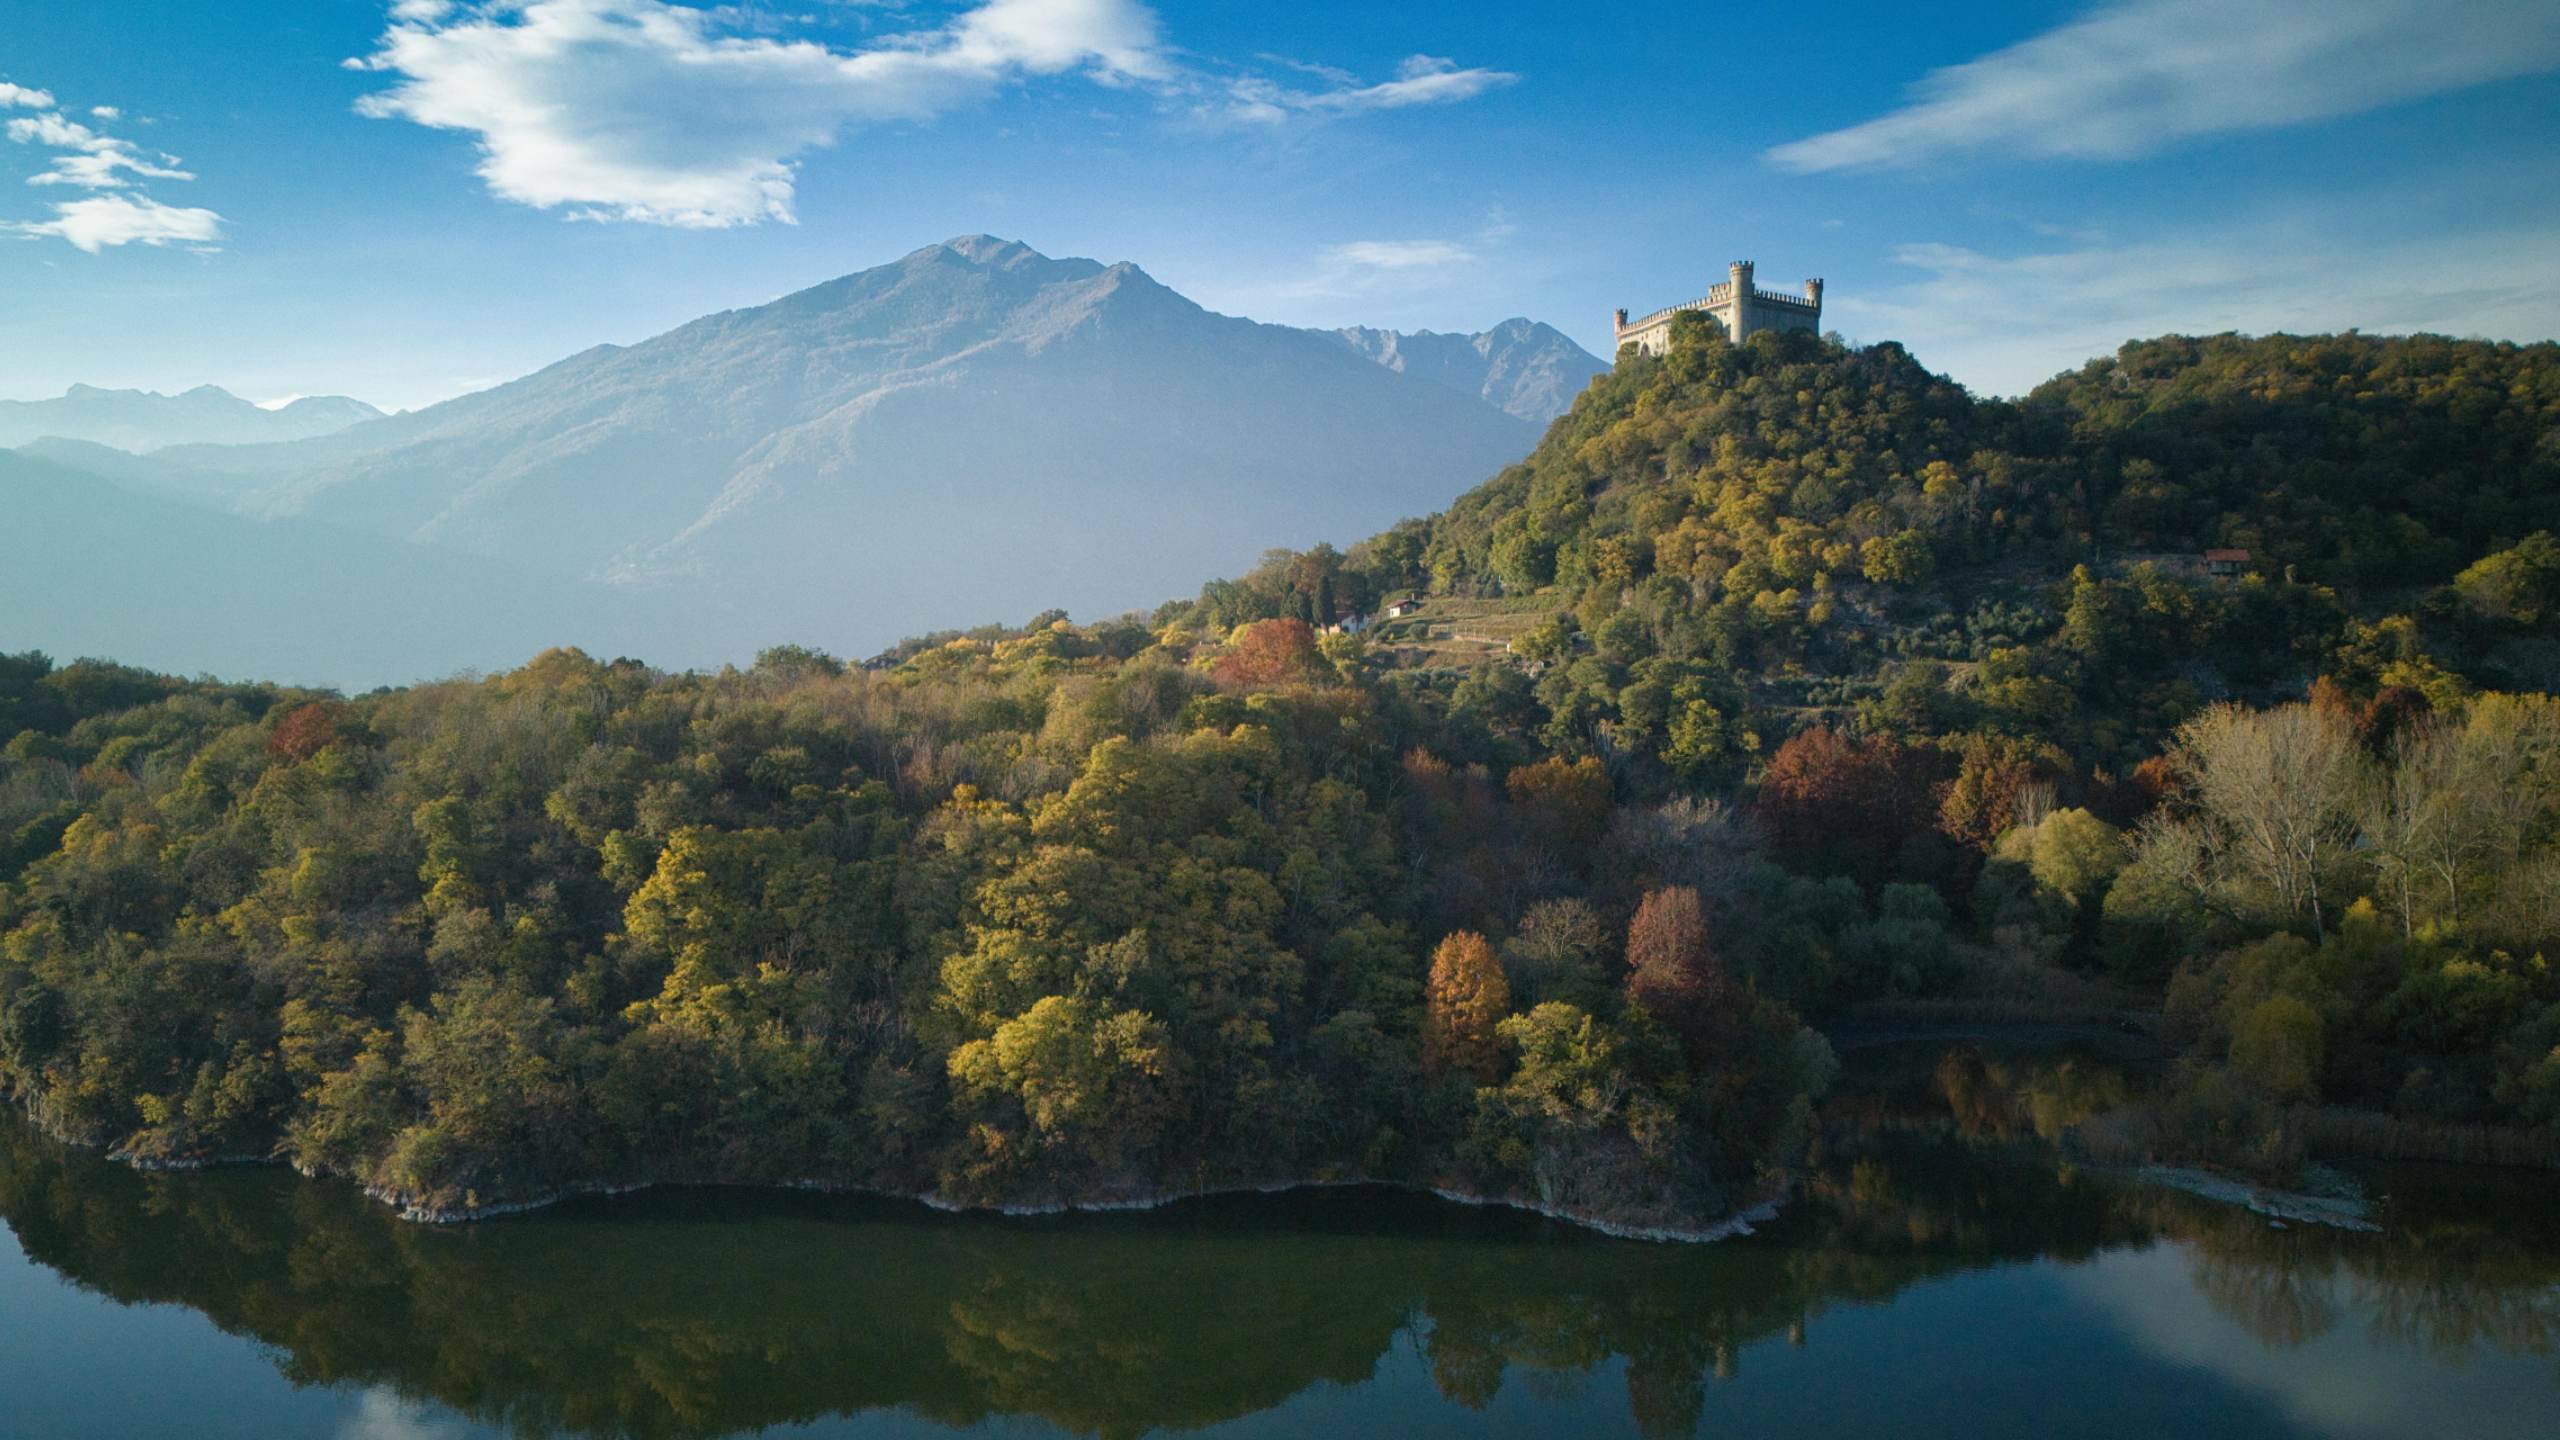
(974,432)
(141,421)
(1520,367)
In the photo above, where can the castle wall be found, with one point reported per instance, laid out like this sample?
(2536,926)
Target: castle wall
(1782,317)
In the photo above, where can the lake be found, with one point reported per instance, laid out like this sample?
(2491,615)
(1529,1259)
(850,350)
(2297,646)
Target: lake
(1943,1273)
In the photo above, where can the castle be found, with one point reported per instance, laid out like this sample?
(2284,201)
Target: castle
(1738,305)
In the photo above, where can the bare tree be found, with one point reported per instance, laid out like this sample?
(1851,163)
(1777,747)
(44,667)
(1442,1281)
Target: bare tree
(2279,793)
(2417,821)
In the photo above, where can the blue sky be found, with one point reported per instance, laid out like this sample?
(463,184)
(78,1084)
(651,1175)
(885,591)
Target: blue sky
(403,201)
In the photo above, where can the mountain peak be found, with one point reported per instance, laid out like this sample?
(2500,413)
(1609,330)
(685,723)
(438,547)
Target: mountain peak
(985,249)
(991,252)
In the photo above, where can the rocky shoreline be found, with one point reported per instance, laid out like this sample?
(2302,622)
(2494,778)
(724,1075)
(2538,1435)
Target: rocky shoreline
(1740,1223)
(2281,1207)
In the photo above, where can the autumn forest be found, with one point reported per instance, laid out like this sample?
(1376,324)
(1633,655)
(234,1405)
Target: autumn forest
(2206,689)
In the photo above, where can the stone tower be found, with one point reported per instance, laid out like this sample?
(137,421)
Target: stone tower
(1739,305)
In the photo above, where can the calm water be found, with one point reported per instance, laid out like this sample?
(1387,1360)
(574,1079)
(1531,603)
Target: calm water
(1943,1276)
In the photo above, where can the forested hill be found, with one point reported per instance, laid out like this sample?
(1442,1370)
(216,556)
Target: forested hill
(2357,461)
(1782,680)
(1790,529)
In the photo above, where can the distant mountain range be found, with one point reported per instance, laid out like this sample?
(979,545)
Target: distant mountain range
(141,421)
(975,432)
(1521,367)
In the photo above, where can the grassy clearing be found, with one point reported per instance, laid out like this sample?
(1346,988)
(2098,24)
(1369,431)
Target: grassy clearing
(1454,632)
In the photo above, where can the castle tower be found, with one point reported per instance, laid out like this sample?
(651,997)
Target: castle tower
(1737,323)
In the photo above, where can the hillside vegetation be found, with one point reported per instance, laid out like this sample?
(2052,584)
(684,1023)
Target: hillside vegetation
(1818,685)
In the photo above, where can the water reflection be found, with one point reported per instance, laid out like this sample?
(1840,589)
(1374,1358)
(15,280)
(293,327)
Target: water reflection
(665,1315)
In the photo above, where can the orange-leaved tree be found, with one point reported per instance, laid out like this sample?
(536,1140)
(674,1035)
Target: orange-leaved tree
(1467,999)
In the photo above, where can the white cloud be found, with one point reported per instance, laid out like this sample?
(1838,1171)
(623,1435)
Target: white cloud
(1420,80)
(52,129)
(647,111)
(101,221)
(93,160)
(2138,75)
(2003,324)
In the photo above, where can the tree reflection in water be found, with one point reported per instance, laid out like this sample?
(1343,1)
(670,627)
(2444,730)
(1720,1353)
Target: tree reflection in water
(699,1313)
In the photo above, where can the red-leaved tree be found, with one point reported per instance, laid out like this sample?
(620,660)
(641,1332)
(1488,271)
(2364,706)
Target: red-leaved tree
(1829,802)
(1672,969)
(305,731)
(1269,652)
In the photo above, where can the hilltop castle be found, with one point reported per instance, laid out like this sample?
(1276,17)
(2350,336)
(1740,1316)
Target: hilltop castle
(1738,305)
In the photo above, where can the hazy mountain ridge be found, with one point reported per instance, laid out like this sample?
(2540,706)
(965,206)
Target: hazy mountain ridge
(973,432)
(141,421)
(872,385)
(1522,367)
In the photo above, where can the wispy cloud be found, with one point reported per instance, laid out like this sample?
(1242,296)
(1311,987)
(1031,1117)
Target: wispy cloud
(90,159)
(1399,254)
(2004,324)
(1371,267)
(2138,75)
(647,111)
(1420,80)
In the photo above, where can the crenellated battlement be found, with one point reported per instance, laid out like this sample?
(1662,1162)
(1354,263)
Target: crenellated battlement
(1737,304)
